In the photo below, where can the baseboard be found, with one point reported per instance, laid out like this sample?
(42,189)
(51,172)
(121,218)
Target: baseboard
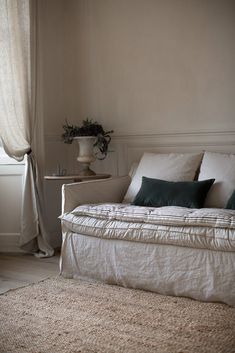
(9,242)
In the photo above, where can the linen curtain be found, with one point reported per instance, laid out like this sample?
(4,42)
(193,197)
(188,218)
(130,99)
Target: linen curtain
(19,118)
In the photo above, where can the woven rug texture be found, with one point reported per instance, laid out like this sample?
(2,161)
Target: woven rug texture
(76,316)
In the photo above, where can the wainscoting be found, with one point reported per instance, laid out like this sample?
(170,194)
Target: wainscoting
(11,183)
(127,149)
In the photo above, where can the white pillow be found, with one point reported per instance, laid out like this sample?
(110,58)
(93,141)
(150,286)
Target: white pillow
(221,167)
(170,167)
(133,169)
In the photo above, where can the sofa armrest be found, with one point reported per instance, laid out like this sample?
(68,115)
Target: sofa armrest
(95,191)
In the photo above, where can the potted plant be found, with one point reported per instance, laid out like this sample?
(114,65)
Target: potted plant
(89,135)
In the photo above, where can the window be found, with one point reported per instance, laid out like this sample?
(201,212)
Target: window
(5,159)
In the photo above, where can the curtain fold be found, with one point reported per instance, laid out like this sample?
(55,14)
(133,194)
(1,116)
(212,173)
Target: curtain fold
(34,236)
(19,118)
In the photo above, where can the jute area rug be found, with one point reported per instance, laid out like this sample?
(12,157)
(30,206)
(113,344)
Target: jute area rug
(63,315)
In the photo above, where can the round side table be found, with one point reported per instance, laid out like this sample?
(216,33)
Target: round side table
(77,178)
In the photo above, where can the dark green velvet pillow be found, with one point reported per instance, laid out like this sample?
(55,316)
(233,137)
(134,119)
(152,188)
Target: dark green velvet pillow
(231,202)
(158,193)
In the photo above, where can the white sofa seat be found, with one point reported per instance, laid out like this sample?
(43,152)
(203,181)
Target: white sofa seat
(212,229)
(172,269)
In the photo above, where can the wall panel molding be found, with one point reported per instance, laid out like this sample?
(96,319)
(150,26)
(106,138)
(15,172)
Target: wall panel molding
(9,242)
(11,184)
(129,148)
(205,133)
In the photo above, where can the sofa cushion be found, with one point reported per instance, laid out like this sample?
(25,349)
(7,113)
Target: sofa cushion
(222,168)
(158,193)
(170,167)
(203,228)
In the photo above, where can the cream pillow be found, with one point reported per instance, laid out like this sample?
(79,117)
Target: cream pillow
(221,167)
(170,167)
(133,169)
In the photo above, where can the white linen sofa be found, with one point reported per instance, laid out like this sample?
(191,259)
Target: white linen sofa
(168,250)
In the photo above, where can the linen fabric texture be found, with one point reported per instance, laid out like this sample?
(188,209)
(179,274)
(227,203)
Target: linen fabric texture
(169,270)
(158,193)
(170,167)
(109,242)
(203,228)
(221,167)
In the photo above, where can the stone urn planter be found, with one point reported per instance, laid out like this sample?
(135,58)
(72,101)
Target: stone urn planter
(89,135)
(86,153)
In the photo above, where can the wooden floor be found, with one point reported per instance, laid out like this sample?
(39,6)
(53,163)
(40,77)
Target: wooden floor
(18,270)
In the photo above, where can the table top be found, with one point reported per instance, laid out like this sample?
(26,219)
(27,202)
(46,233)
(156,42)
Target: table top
(77,177)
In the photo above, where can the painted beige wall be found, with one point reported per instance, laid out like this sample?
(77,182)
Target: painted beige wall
(140,66)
